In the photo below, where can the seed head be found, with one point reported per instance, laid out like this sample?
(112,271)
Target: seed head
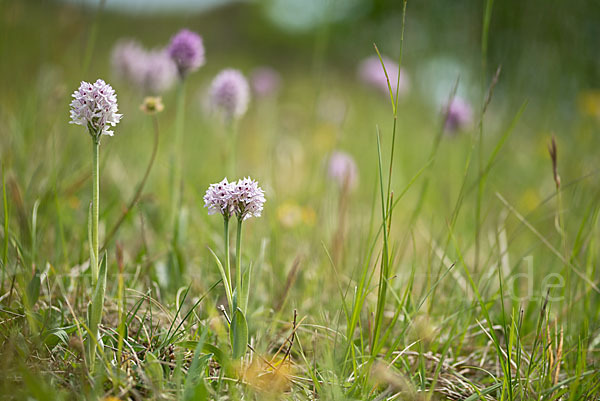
(152,105)
(553,151)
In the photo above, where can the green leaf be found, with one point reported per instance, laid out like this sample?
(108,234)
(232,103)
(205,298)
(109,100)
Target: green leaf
(219,355)
(54,336)
(33,289)
(238,334)
(226,283)
(153,370)
(195,388)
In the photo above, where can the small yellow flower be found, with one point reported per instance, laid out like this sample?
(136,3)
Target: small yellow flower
(152,105)
(325,137)
(589,103)
(530,200)
(74,202)
(309,216)
(289,214)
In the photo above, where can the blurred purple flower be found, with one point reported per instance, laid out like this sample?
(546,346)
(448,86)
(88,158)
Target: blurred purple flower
(371,73)
(343,170)
(127,55)
(157,73)
(187,51)
(243,198)
(95,106)
(153,72)
(459,114)
(265,81)
(230,94)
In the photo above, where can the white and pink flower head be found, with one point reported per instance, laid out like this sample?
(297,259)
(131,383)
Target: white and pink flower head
(242,198)
(95,106)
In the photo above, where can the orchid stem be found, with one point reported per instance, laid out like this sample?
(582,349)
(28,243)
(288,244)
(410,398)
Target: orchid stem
(95,202)
(227,258)
(238,262)
(176,163)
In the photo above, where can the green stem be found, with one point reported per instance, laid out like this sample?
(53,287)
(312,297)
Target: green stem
(227,258)
(121,327)
(232,128)
(559,222)
(395,107)
(93,307)
(5,205)
(384,272)
(487,15)
(95,202)
(238,262)
(176,161)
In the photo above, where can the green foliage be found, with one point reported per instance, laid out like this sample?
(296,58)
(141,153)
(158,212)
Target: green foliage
(433,279)
(238,334)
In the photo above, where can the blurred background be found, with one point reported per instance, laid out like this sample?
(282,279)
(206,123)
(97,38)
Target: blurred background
(548,50)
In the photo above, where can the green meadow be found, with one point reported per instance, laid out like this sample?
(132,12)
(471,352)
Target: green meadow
(448,263)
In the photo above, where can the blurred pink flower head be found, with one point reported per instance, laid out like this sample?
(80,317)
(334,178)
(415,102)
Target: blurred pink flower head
(243,198)
(265,81)
(153,72)
(127,55)
(230,94)
(95,106)
(158,72)
(343,169)
(187,51)
(459,114)
(371,73)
